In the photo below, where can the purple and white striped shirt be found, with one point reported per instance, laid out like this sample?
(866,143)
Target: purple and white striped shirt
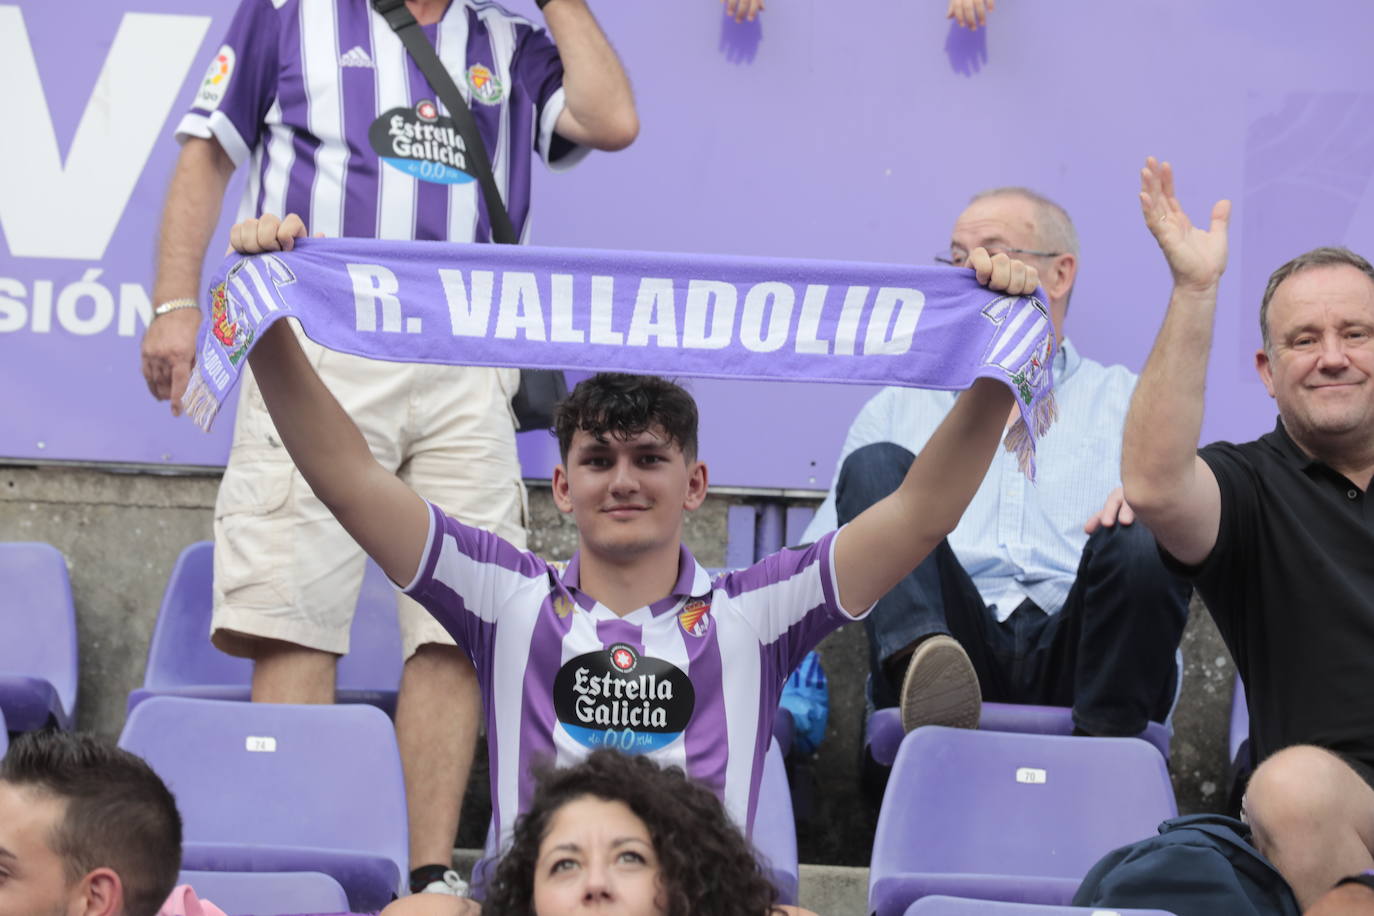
(692,680)
(342,128)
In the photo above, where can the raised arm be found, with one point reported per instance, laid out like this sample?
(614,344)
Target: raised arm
(894,535)
(600,108)
(387,519)
(1172,490)
(188,220)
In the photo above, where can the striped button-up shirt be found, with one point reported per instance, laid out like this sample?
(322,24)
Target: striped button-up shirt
(1018,539)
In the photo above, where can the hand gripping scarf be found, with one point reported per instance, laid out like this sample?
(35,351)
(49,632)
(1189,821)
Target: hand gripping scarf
(666,314)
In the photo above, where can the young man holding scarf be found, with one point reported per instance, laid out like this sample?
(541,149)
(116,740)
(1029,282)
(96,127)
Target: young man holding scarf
(632,644)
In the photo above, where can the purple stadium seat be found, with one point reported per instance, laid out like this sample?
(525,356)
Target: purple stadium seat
(884,731)
(1013,817)
(1240,719)
(182,662)
(38,668)
(280,788)
(962,906)
(775,829)
(240,893)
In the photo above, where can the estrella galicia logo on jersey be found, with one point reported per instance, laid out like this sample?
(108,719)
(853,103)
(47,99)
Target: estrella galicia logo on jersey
(216,81)
(695,617)
(422,143)
(485,87)
(618,698)
(623,657)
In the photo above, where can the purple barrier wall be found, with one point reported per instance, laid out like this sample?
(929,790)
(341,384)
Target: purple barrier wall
(826,129)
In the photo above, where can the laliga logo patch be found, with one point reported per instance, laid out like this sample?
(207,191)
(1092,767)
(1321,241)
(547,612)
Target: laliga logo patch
(485,87)
(695,617)
(617,698)
(216,81)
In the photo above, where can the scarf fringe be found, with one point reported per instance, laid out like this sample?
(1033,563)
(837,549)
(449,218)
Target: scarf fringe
(199,403)
(1019,441)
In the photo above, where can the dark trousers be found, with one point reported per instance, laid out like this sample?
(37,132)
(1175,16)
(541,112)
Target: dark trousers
(1108,653)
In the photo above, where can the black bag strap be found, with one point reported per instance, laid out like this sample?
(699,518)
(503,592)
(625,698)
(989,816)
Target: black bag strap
(425,57)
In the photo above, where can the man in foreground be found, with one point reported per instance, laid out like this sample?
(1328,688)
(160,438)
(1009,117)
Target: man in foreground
(1277,534)
(632,646)
(86,829)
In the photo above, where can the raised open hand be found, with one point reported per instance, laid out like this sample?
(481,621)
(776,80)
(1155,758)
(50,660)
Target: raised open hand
(1197,258)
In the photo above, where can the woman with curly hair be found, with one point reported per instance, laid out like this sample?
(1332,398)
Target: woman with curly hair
(619,834)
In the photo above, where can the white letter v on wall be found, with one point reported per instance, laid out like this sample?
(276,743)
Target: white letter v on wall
(49,209)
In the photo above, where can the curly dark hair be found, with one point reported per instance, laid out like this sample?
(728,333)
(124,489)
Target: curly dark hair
(705,863)
(622,405)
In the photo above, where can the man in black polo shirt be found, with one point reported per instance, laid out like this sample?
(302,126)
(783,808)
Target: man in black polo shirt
(1277,534)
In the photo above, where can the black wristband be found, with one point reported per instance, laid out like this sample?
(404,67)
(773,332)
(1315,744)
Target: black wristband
(1365,878)
(542,3)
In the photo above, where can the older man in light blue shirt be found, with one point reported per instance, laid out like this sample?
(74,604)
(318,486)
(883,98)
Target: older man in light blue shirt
(1046,592)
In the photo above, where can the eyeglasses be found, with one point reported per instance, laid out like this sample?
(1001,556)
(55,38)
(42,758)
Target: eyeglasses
(958,257)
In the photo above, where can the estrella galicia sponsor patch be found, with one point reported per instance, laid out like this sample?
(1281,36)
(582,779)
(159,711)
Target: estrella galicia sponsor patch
(484,85)
(216,82)
(422,143)
(695,617)
(620,699)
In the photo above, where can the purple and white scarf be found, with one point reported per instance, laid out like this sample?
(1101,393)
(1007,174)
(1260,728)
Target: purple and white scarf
(665,314)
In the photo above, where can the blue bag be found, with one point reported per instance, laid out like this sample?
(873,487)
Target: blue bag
(1198,865)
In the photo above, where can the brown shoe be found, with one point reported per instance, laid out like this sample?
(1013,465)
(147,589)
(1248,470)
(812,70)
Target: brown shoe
(940,686)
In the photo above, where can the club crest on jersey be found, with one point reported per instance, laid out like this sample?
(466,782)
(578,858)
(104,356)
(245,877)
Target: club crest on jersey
(485,87)
(562,606)
(216,81)
(422,143)
(619,698)
(695,617)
